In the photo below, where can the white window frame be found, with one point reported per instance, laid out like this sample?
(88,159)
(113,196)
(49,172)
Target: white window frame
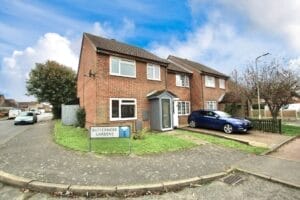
(187,105)
(154,68)
(214,103)
(210,81)
(222,83)
(185,83)
(121,60)
(120,103)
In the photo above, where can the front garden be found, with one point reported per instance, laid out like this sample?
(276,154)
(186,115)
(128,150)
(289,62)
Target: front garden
(77,139)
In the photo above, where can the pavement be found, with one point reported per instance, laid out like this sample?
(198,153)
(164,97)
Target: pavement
(32,154)
(254,138)
(286,171)
(251,188)
(289,151)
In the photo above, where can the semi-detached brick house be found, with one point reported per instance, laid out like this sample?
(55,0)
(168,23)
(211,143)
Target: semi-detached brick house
(208,86)
(120,84)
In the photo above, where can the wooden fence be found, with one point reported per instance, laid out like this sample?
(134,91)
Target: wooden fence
(267,125)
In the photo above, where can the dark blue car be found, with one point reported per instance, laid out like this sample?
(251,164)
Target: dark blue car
(218,120)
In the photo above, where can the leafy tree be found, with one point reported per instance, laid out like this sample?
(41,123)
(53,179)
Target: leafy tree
(278,84)
(53,83)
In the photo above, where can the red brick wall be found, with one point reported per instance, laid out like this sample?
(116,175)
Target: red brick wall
(86,86)
(196,91)
(109,86)
(183,93)
(212,94)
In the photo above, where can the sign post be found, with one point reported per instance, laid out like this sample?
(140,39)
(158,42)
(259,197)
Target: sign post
(109,132)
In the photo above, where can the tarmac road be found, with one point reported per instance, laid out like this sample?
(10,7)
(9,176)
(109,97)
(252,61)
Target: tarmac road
(8,130)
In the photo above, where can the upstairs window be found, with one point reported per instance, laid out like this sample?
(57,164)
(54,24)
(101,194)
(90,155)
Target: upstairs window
(222,83)
(153,72)
(182,80)
(122,109)
(210,81)
(122,67)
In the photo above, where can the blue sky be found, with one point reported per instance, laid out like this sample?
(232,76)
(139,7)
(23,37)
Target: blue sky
(223,34)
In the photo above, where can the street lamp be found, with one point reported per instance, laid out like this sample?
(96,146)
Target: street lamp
(258,93)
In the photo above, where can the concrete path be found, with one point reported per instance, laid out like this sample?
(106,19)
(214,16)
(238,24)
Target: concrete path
(281,169)
(34,155)
(254,138)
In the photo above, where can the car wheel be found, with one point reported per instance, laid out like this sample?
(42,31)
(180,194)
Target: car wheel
(228,128)
(192,124)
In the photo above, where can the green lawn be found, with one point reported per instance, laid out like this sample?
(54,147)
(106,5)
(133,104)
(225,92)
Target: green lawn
(77,139)
(225,142)
(290,130)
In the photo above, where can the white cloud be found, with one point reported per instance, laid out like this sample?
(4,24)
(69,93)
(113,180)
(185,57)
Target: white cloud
(15,68)
(52,46)
(216,44)
(234,34)
(125,30)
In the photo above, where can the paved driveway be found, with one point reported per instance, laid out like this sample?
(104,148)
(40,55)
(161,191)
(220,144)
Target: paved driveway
(254,138)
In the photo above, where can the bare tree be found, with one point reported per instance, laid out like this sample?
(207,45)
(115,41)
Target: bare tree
(278,84)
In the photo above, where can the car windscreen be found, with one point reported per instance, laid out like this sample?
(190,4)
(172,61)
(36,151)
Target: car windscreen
(24,114)
(222,114)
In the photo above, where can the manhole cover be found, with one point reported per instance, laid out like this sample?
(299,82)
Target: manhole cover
(233,179)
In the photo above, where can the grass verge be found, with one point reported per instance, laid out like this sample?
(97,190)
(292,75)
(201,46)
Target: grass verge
(290,130)
(225,142)
(77,139)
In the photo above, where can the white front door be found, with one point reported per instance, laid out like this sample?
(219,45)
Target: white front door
(175,114)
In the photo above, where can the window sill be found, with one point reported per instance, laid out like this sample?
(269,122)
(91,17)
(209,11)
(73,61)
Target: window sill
(183,115)
(210,86)
(122,119)
(122,76)
(153,79)
(182,86)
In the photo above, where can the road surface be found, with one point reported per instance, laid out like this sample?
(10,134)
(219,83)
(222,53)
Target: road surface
(8,130)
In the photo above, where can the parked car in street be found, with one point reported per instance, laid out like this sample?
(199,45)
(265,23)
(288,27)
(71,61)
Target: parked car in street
(26,118)
(218,120)
(13,113)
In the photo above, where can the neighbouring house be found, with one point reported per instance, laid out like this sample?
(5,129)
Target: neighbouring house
(29,105)
(6,105)
(119,84)
(208,86)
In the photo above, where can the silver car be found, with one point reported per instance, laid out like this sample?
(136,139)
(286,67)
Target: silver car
(26,118)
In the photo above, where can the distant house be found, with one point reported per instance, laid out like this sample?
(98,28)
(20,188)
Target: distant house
(6,105)
(120,84)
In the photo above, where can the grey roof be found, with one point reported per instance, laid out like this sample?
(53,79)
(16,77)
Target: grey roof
(113,46)
(191,64)
(160,92)
(175,67)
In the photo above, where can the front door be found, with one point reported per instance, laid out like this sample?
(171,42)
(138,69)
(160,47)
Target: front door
(175,114)
(166,113)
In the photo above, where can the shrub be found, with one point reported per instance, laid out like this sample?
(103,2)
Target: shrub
(81,118)
(140,135)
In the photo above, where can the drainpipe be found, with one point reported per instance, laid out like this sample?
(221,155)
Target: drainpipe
(166,76)
(202,91)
